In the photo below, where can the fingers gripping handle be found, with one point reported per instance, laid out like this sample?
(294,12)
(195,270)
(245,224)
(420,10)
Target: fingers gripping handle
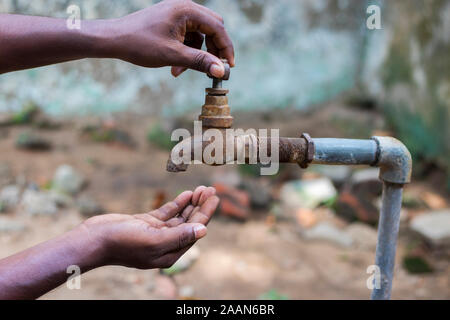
(217,82)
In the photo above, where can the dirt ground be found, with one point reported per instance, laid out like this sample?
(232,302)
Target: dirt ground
(238,260)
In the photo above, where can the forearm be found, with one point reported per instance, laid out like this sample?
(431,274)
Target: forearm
(31,41)
(37,270)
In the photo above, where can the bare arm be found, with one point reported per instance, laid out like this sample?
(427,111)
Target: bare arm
(170,33)
(29,41)
(37,270)
(151,240)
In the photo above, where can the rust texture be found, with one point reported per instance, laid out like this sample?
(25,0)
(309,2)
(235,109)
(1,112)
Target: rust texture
(216,111)
(291,150)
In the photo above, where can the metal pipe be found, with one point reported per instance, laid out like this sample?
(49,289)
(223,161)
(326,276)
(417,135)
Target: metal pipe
(217,83)
(345,151)
(389,154)
(387,239)
(290,150)
(394,161)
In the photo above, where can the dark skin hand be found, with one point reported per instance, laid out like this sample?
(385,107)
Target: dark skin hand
(150,240)
(169,33)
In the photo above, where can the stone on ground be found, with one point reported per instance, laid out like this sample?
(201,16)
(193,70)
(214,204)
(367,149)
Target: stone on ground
(306,193)
(354,206)
(363,235)
(61,199)
(33,142)
(433,226)
(328,232)
(38,203)
(366,183)
(10,225)
(10,196)
(337,174)
(6,177)
(67,179)
(88,206)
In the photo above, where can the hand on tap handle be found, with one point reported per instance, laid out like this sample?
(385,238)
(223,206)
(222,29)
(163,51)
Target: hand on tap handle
(169,33)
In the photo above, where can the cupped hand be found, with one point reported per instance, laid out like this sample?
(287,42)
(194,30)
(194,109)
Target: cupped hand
(171,33)
(158,238)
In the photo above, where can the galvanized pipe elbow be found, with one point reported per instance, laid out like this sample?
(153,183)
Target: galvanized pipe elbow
(394,160)
(387,153)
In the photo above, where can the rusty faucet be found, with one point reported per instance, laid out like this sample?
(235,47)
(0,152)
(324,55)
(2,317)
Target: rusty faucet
(216,111)
(389,154)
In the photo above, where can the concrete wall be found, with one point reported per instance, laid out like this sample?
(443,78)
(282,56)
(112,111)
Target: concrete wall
(407,70)
(289,53)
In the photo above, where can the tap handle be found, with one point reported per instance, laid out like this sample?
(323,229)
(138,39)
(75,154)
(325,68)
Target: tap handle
(226,75)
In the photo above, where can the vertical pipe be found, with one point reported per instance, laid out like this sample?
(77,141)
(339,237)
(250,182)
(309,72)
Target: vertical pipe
(387,239)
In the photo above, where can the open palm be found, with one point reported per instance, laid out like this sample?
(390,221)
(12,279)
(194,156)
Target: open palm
(158,238)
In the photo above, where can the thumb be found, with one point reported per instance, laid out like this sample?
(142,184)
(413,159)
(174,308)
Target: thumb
(181,236)
(201,61)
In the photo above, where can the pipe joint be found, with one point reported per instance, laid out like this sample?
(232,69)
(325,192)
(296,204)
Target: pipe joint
(394,160)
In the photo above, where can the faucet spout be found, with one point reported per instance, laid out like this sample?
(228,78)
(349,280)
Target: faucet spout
(240,149)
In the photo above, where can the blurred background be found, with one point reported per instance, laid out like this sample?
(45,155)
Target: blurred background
(93,136)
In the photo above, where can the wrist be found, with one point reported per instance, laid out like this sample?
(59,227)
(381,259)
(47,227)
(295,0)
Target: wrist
(103,38)
(89,247)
